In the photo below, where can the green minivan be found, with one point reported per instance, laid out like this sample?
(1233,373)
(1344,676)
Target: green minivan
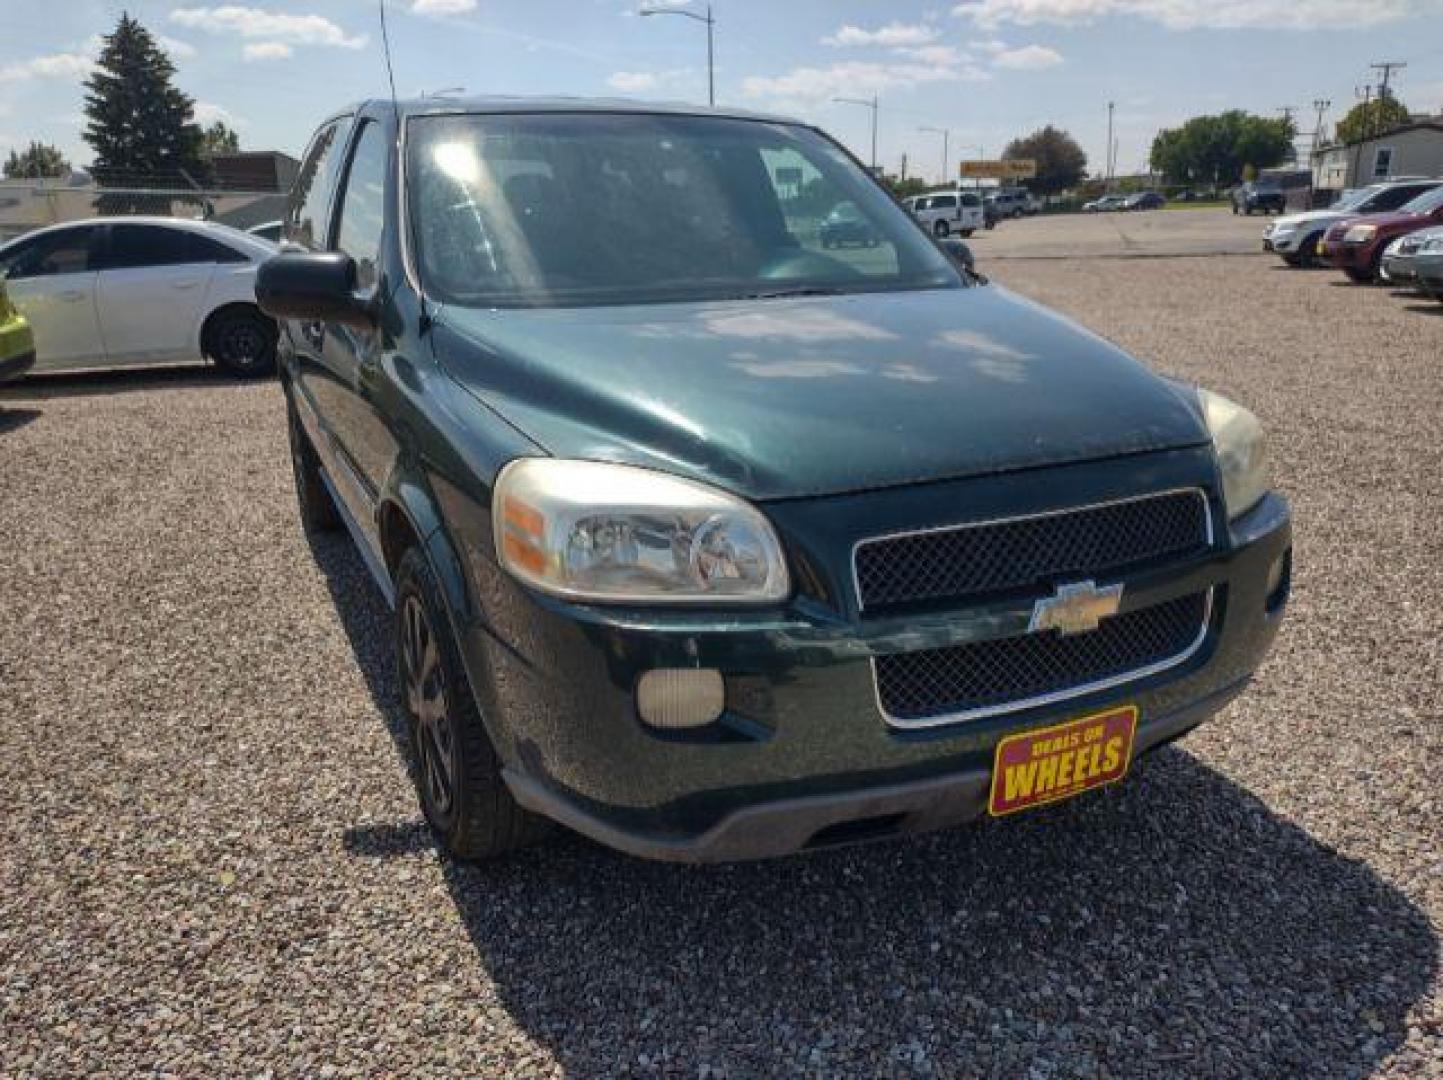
(17,342)
(712,540)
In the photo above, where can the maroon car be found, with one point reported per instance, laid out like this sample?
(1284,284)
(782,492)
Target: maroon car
(1355,245)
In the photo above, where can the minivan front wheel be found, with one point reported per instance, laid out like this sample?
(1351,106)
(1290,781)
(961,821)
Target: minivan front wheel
(454,766)
(940,229)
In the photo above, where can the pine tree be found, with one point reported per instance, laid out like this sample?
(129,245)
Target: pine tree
(139,124)
(37,161)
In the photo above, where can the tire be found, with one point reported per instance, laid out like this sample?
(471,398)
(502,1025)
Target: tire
(1235,209)
(454,766)
(940,229)
(317,509)
(966,234)
(1358,277)
(242,341)
(1307,253)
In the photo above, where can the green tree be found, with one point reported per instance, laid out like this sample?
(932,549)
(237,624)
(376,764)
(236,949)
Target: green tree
(1061,163)
(913,185)
(219,139)
(1217,149)
(139,123)
(1373,118)
(37,161)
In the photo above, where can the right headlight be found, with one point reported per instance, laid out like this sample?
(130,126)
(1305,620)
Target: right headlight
(1240,449)
(1360,234)
(605,533)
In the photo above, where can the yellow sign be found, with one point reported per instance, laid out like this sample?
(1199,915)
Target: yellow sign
(1003,169)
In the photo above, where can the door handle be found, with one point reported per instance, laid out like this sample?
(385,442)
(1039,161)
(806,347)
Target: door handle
(70,296)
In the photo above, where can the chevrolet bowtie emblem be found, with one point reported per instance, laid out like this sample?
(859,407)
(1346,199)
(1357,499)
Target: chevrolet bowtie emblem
(1075,608)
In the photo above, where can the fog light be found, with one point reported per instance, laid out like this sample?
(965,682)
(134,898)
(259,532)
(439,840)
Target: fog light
(680,697)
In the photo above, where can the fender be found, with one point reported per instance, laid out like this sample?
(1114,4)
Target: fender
(406,492)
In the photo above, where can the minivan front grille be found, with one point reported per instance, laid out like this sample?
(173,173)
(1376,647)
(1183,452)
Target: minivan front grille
(972,560)
(985,678)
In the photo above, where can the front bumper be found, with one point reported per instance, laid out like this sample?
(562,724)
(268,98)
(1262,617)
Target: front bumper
(1398,269)
(1346,256)
(1428,271)
(803,756)
(14,367)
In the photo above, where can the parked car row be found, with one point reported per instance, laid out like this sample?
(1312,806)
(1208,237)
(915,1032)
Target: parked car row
(1389,231)
(110,292)
(1138,200)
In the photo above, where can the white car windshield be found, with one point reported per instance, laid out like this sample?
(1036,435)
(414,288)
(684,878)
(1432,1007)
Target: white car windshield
(569,209)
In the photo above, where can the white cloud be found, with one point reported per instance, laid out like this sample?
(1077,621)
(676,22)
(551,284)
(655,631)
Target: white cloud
(208,112)
(631,82)
(45,67)
(1195,14)
(1028,58)
(931,54)
(442,7)
(249,22)
(811,85)
(894,33)
(177,49)
(267,50)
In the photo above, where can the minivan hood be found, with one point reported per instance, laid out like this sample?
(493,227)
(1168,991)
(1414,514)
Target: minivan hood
(791,397)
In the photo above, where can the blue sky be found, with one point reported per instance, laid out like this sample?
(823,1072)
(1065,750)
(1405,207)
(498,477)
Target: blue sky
(985,69)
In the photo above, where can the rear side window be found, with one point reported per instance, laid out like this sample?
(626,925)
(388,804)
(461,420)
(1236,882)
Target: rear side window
(205,250)
(363,207)
(944,202)
(970,200)
(65,252)
(310,201)
(135,246)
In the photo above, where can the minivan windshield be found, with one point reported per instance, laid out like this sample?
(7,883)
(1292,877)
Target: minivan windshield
(570,209)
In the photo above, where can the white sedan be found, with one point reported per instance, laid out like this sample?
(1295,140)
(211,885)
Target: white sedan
(141,290)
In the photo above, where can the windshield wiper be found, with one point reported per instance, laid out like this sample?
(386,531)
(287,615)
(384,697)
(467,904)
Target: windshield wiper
(800,290)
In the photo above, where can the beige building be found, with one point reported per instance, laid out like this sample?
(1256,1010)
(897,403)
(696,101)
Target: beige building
(1413,149)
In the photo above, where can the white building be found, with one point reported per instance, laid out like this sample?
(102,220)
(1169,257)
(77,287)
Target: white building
(1412,149)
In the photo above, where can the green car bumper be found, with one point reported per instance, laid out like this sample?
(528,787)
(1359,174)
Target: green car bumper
(17,344)
(803,755)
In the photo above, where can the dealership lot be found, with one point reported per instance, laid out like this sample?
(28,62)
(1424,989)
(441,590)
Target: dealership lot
(211,858)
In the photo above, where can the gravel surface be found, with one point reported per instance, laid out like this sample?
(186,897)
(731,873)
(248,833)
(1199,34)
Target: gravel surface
(1149,234)
(211,861)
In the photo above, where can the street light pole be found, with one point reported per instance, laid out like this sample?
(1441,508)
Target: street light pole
(946,135)
(710,50)
(1110,147)
(872,104)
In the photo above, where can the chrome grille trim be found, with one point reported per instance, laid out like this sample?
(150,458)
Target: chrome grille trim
(1054,697)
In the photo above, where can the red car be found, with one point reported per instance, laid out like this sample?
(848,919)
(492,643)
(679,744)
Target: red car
(1355,245)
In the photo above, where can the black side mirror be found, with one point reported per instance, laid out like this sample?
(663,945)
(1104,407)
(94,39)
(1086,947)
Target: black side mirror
(317,286)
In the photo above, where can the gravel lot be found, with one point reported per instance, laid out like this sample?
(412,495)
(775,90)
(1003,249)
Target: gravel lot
(211,861)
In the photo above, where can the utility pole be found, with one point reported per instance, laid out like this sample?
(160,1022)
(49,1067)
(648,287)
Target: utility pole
(1110,154)
(946,135)
(710,52)
(866,104)
(904,166)
(1322,105)
(1367,96)
(1387,67)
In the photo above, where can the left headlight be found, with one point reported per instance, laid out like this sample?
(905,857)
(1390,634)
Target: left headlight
(594,531)
(1360,234)
(1241,451)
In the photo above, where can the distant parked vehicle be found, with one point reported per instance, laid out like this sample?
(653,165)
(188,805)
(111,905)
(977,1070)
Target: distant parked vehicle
(949,212)
(139,290)
(1356,245)
(1144,200)
(1295,238)
(1428,267)
(1105,204)
(846,225)
(17,343)
(1400,257)
(1013,203)
(1259,197)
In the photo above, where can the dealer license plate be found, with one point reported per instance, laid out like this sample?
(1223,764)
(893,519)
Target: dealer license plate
(1042,766)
